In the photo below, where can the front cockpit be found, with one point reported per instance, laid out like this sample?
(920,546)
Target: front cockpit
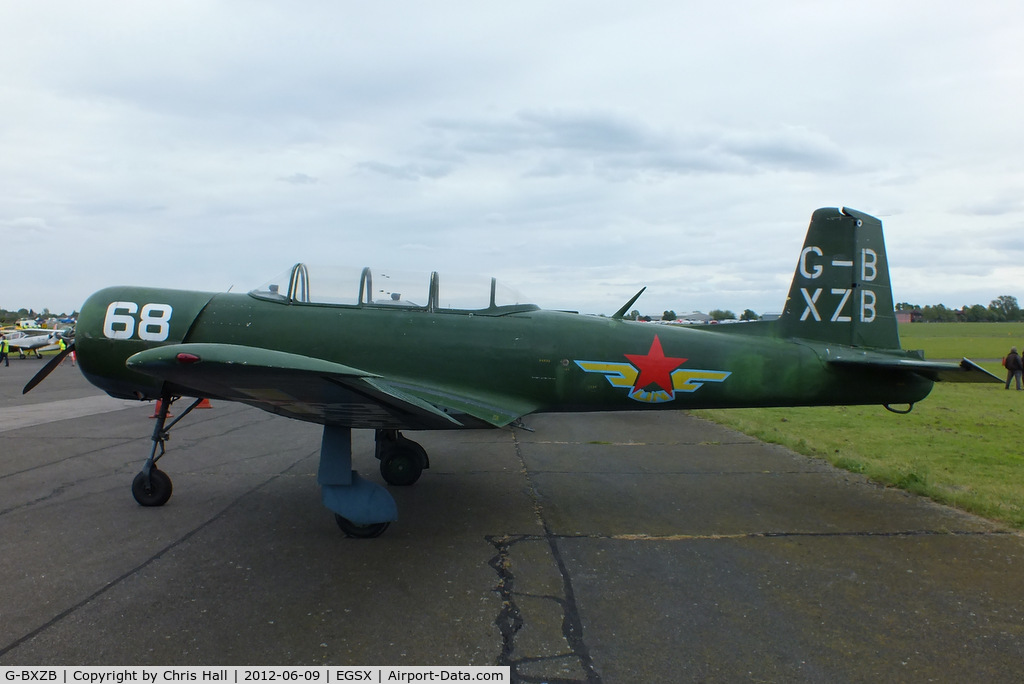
(392,289)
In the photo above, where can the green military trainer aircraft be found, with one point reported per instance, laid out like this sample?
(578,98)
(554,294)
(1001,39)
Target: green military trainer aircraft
(390,365)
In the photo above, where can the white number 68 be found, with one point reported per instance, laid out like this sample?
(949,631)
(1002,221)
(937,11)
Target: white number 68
(154,324)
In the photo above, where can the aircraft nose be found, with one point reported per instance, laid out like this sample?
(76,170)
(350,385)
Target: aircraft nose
(117,322)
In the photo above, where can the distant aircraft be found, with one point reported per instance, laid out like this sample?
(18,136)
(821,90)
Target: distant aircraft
(32,340)
(371,364)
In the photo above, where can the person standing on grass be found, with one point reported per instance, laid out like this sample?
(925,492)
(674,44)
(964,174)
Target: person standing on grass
(1014,366)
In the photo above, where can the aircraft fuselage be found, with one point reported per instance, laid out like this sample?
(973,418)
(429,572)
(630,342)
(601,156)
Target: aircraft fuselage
(553,361)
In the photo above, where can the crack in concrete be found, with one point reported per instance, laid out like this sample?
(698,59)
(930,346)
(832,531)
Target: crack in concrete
(569,664)
(509,620)
(574,657)
(531,646)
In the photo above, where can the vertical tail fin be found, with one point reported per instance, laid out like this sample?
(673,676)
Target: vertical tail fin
(841,291)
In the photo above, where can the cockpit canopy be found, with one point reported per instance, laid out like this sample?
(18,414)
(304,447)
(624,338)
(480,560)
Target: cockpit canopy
(391,289)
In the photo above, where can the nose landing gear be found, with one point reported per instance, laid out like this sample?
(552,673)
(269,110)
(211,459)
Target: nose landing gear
(152,487)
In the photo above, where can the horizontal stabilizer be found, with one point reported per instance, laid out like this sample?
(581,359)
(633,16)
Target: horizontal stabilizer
(966,371)
(936,371)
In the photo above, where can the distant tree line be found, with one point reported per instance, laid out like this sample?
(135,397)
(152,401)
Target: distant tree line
(714,315)
(1002,309)
(11,317)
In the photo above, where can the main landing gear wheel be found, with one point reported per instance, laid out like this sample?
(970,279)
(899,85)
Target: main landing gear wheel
(401,467)
(360,531)
(402,460)
(156,493)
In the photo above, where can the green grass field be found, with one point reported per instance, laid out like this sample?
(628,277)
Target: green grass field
(956,340)
(960,446)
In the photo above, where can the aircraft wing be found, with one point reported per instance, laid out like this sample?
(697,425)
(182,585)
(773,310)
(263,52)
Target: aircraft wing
(936,371)
(493,409)
(317,390)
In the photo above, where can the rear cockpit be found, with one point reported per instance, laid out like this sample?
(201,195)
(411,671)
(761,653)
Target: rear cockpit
(392,289)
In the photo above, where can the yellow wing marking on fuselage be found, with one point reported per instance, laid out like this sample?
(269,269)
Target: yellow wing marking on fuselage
(692,380)
(618,374)
(624,375)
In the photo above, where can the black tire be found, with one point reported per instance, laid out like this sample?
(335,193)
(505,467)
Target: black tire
(360,531)
(401,467)
(158,492)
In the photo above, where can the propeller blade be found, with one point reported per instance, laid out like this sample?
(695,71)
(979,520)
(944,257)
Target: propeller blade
(48,368)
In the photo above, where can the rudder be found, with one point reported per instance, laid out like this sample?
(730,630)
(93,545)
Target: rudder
(841,290)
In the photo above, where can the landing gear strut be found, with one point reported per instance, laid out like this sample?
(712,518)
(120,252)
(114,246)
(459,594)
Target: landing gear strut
(362,509)
(402,460)
(152,487)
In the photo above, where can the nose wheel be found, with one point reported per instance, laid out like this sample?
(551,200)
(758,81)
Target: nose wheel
(154,490)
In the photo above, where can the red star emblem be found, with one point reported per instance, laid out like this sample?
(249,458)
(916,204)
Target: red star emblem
(655,368)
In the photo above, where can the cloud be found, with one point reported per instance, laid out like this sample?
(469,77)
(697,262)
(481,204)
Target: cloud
(201,144)
(993,206)
(784,149)
(27,229)
(549,143)
(299,179)
(406,172)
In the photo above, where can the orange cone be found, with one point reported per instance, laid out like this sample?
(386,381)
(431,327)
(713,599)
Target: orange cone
(156,409)
(205,403)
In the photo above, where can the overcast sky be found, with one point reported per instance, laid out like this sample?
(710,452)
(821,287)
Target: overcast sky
(577,150)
